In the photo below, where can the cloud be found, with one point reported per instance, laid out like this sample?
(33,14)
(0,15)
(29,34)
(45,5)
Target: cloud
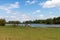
(41,16)
(22,17)
(28,2)
(51,4)
(15,5)
(25,17)
(1,17)
(8,8)
(50,13)
(13,16)
(37,11)
(52,16)
(5,9)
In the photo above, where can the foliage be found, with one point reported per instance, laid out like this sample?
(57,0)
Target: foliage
(2,22)
(47,21)
(15,23)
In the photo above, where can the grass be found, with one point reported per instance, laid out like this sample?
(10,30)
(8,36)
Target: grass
(29,33)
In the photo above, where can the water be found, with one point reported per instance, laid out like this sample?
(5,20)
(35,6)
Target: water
(40,25)
(45,25)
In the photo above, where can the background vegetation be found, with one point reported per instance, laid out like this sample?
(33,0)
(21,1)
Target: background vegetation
(47,21)
(2,22)
(29,33)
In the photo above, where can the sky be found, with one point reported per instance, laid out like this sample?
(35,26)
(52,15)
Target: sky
(24,10)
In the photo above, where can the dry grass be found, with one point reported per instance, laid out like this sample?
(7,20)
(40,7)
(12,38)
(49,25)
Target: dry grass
(27,33)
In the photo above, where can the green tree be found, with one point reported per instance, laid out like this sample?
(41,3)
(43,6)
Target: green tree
(15,23)
(2,22)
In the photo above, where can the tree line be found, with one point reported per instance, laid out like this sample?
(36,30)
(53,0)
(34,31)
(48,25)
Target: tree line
(3,22)
(55,20)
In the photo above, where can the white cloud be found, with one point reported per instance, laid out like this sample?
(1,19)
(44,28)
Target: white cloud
(5,9)
(13,16)
(28,2)
(58,8)
(52,16)
(8,8)
(7,16)
(15,13)
(25,17)
(15,5)
(1,17)
(50,13)
(51,3)
(41,16)
(37,11)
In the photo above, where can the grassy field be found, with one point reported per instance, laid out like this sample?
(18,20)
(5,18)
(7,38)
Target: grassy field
(28,33)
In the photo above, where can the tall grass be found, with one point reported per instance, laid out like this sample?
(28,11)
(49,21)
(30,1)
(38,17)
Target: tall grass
(29,33)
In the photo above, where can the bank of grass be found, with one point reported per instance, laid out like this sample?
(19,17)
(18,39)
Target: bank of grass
(29,33)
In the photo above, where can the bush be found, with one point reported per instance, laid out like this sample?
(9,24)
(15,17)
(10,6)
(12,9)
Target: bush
(2,22)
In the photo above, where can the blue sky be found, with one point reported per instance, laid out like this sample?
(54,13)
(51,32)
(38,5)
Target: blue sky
(24,10)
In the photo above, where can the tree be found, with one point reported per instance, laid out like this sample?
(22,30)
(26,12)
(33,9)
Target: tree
(2,22)
(49,21)
(55,20)
(15,23)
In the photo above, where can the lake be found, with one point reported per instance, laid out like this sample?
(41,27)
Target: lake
(45,25)
(40,25)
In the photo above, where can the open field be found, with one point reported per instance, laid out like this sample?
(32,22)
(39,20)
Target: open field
(28,33)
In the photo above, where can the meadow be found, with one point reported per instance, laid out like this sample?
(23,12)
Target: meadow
(29,33)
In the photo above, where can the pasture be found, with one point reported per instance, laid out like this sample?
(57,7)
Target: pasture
(29,33)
